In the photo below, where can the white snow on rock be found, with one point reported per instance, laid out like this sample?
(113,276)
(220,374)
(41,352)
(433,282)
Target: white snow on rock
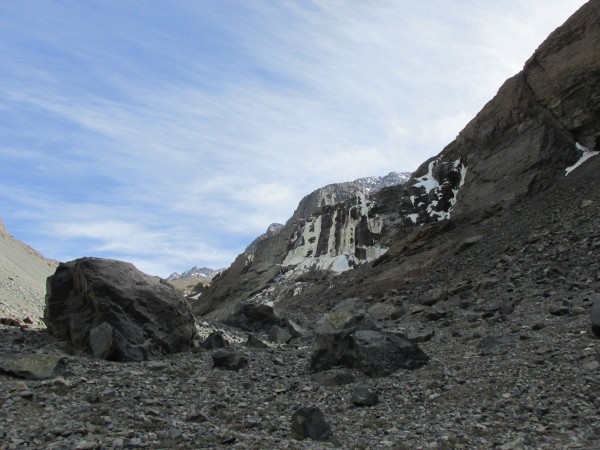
(428,181)
(585,155)
(340,255)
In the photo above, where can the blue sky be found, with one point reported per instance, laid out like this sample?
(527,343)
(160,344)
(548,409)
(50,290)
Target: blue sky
(171,133)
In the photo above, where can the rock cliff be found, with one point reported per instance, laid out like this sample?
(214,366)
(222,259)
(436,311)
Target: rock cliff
(518,145)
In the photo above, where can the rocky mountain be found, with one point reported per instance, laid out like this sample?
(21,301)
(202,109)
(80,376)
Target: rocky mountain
(195,272)
(23,273)
(517,147)
(272,230)
(466,316)
(374,184)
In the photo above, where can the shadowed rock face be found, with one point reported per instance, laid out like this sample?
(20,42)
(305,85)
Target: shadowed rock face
(116,312)
(518,145)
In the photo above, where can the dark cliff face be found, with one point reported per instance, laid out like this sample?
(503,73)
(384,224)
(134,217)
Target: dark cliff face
(525,136)
(518,145)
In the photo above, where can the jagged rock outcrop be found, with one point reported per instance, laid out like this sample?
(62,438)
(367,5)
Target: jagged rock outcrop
(272,230)
(116,312)
(254,270)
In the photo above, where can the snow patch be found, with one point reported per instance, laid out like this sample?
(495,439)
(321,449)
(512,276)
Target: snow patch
(428,181)
(585,155)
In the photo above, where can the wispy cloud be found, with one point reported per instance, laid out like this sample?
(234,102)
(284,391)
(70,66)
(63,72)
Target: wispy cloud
(173,134)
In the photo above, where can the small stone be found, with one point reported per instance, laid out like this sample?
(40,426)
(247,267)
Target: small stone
(363,396)
(422,335)
(215,340)
(309,422)
(226,440)
(85,445)
(335,377)
(197,417)
(251,422)
(595,315)
(559,310)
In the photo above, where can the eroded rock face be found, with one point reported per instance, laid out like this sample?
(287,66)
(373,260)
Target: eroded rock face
(518,145)
(116,312)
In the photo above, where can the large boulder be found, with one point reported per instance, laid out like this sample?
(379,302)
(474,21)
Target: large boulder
(348,337)
(253,317)
(116,312)
(375,353)
(260,318)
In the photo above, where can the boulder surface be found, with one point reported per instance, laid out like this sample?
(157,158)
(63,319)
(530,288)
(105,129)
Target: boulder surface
(116,312)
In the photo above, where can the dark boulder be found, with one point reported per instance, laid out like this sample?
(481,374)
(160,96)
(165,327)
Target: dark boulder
(253,317)
(214,341)
(349,337)
(116,312)
(363,396)
(225,359)
(309,422)
(375,353)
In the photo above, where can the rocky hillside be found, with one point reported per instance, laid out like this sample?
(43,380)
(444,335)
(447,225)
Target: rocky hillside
(23,273)
(542,121)
(477,326)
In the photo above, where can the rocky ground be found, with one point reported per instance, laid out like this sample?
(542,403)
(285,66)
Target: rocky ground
(514,364)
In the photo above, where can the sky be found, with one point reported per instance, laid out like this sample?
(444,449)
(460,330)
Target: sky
(171,133)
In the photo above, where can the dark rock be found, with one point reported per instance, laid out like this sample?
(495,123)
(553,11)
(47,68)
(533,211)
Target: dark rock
(595,315)
(295,329)
(437,314)
(559,310)
(13,321)
(224,359)
(507,308)
(334,377)
(215,340)
(102,340)
(255,342)
(308,422)
(397,313)
(375,353)
(253,317)
(32,366)
(349,313)
(363,396)
(434,296)
(496,341)
(279,335)
(422,335)
(113,310)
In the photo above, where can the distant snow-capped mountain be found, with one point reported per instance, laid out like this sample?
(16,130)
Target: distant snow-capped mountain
(195,272)
(374,184)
